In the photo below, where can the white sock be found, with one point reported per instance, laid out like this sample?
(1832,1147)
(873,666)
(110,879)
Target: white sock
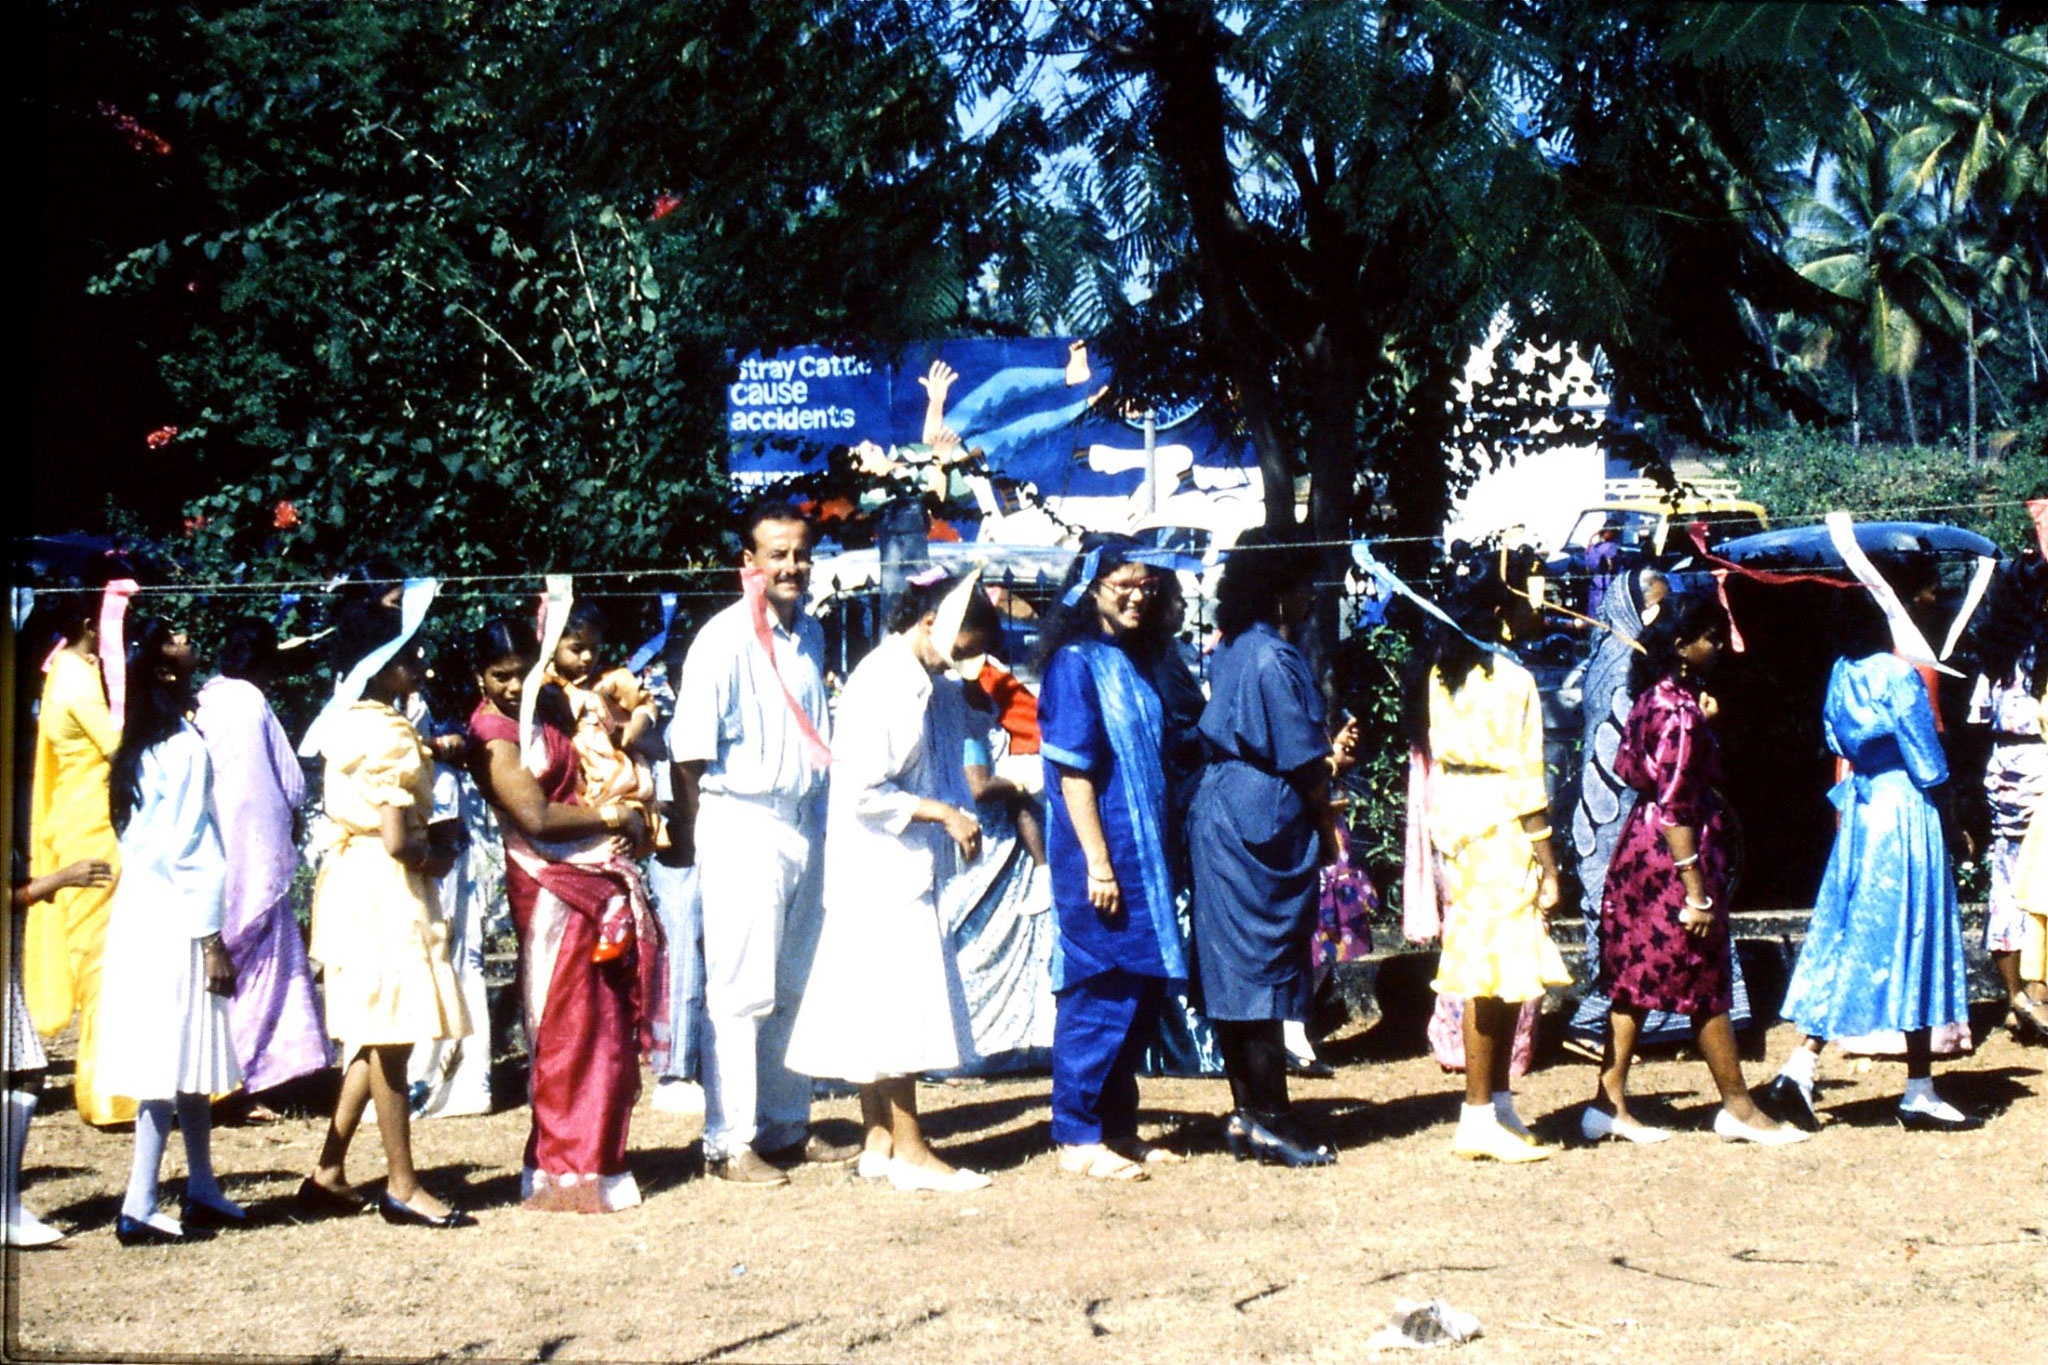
(195,1124)
(21,1107)
(1921,1099)
(1294,1037)
(1478,1116)
(1504,1111)
(152,1131)
(1798,1068)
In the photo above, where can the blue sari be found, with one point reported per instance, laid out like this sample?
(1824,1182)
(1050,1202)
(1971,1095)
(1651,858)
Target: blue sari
(1098,715)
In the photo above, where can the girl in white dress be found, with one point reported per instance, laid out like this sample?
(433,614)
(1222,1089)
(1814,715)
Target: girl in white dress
(164,1039)
(883,1001)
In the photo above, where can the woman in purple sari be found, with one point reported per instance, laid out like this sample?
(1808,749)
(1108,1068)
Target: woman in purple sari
(257,786)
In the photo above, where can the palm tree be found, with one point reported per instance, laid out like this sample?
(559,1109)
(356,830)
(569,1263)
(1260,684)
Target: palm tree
(1980,144)
(1872,237)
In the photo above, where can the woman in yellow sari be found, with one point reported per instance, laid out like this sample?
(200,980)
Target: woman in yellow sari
(76,735)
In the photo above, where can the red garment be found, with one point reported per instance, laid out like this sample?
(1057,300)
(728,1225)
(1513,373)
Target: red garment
(1646,956)
(1016,706)
(587,1022)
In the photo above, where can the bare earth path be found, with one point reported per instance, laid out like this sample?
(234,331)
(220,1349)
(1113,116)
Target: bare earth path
(1867,1243)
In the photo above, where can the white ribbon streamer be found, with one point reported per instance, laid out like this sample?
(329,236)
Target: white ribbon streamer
(413,602)
(554,616)
(1907,640)
(1980,582)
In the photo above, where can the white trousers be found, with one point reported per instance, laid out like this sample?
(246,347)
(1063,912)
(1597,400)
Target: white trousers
(681,910)
(759,867)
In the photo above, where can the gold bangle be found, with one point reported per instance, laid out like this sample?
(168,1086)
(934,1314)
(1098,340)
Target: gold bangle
(611,815)
(1537,836)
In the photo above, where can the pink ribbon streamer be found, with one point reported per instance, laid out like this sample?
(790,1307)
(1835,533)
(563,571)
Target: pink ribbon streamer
(1421,915)
(113,648)
(754,585)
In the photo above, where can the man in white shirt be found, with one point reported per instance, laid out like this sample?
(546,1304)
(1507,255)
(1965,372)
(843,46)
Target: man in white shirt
(748,744)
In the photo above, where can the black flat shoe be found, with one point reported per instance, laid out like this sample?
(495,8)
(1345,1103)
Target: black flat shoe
(1918,1121)
(1273,1141)
(1313,1070)
(404,1215)
(1784,1101)
(315,1200)
(203,1217)
(133,1232)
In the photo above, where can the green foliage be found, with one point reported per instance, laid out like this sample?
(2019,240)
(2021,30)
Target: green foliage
(459,281)
(1801,475)
(1368,670)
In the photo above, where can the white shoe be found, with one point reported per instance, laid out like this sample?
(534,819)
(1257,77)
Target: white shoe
(1596,1123)
(872,1166)
(1731,1129)
(678,1097)
(907,1177)
(1486,1139)
(27,1230)
(1504,1112)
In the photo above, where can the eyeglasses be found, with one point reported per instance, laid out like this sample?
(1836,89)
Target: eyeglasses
(1124,592)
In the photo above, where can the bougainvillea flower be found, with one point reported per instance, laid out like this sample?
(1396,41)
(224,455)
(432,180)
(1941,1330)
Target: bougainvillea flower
(139,138)
(665,204)
(284,516)
(194,525)
(161,437)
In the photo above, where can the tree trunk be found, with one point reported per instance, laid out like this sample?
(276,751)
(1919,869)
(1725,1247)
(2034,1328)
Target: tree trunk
(1855,414)
(1912,417)
(1333,461)
(2034,351)
(1191,135)
(1970,355)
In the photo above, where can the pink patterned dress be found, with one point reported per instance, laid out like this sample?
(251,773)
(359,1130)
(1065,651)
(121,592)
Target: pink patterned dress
(1647,959)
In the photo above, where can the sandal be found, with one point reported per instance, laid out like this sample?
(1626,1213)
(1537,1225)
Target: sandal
(1098,1162)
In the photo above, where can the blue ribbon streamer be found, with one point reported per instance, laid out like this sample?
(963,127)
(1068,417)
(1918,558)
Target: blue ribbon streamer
(1368,562)
(645,654)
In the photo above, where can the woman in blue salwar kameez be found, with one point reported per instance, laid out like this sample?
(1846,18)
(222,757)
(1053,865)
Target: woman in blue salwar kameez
(1119,941)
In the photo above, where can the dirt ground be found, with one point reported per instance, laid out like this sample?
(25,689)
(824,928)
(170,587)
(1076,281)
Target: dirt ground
(1867,1243)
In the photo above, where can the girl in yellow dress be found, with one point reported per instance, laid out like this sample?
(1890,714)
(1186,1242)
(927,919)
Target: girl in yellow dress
(65,938)
(378,932)
(1475,714)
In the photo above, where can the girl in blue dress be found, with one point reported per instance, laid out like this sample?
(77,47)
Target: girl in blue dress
(1119,944)
(1884,948)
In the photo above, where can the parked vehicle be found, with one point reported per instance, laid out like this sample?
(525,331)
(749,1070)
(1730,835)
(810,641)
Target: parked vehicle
(1640,523)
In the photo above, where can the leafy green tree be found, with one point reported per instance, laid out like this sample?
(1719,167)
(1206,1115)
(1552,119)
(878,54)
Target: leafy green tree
(461,281)
(1978,143)
(1313,211)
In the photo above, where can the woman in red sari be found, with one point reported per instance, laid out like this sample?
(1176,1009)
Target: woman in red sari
(564,869)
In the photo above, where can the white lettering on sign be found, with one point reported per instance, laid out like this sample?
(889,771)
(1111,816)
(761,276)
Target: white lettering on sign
(793,419)
(773,368)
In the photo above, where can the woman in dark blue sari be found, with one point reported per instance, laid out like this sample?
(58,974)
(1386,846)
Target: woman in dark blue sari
(1260,830)
(1119,945)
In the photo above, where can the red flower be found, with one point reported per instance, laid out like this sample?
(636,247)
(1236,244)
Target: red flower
(193,525)
(161,437)
(284,516)
(139,138)
(665,204)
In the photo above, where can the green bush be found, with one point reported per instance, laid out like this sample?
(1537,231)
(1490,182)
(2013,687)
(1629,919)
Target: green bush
(1368,671)
(1801,475)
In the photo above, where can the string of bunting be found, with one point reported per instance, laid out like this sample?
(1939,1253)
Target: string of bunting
(687,571)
